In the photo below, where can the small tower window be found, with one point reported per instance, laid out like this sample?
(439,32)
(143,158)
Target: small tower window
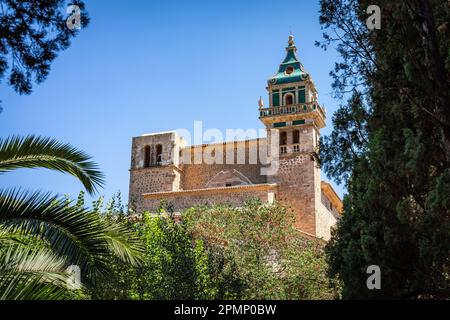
(158,154)
(283,138)
(289,99)
(296,137)
(147,152)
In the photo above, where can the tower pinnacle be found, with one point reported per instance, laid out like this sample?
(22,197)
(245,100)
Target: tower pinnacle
(260,102)
(290,70)
(292,95)
(291,40)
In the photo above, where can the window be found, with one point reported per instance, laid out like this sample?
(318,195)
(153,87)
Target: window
(283,149)
(283,138)
(158,154)
(279,124)
(289,99)
(296,136)
(228,184)
(275,99)
(289,70)
(147,152)
(301,96)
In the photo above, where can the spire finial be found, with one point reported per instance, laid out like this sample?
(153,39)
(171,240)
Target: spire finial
(291,39)
(260,102)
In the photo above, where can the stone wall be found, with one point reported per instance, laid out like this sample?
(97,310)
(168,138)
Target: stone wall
(328,210)
(234,196)
(184,183)
(325,220)
(171,144)
(164,177)
(153,179)
(197,176)
(296,180)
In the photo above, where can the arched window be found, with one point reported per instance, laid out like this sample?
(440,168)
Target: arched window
(158,154)
(283,138)
(147,156)
(296,137)
(289,99)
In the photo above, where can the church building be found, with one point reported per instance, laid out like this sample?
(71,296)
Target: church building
(282,166)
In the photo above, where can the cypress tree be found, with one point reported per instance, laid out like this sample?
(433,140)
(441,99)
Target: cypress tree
(391,146)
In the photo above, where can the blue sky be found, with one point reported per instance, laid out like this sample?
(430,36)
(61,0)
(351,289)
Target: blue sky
(148,66)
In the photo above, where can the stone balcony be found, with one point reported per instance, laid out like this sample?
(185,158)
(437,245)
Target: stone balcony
(307,110)
(292,148)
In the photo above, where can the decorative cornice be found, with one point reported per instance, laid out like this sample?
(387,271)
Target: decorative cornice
(208,191)
(237,142)
(332,195)
(158,168)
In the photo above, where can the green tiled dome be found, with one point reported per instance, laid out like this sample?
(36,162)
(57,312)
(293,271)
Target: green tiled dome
(291,69)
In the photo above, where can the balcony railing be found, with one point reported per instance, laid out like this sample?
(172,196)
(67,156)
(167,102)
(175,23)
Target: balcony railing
(292,148)
(158,159)
(292,109)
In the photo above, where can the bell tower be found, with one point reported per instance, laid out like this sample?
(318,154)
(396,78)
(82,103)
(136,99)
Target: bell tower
(294,118)
(292,102)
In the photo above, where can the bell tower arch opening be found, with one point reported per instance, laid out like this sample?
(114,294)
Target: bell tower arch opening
(147,156)
(158,158)
(288,99)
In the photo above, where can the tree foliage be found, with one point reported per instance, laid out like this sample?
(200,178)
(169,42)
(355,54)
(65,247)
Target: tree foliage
(41,235)
(396,213)
(32,33)
(174,266)
(220,252)
(262,252)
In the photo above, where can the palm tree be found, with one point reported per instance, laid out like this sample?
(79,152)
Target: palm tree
(41,235)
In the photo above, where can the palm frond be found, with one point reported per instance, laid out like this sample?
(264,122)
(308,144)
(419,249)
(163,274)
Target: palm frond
(40,152)
(72,232)
(29,274)
(125,243)
(8,238)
